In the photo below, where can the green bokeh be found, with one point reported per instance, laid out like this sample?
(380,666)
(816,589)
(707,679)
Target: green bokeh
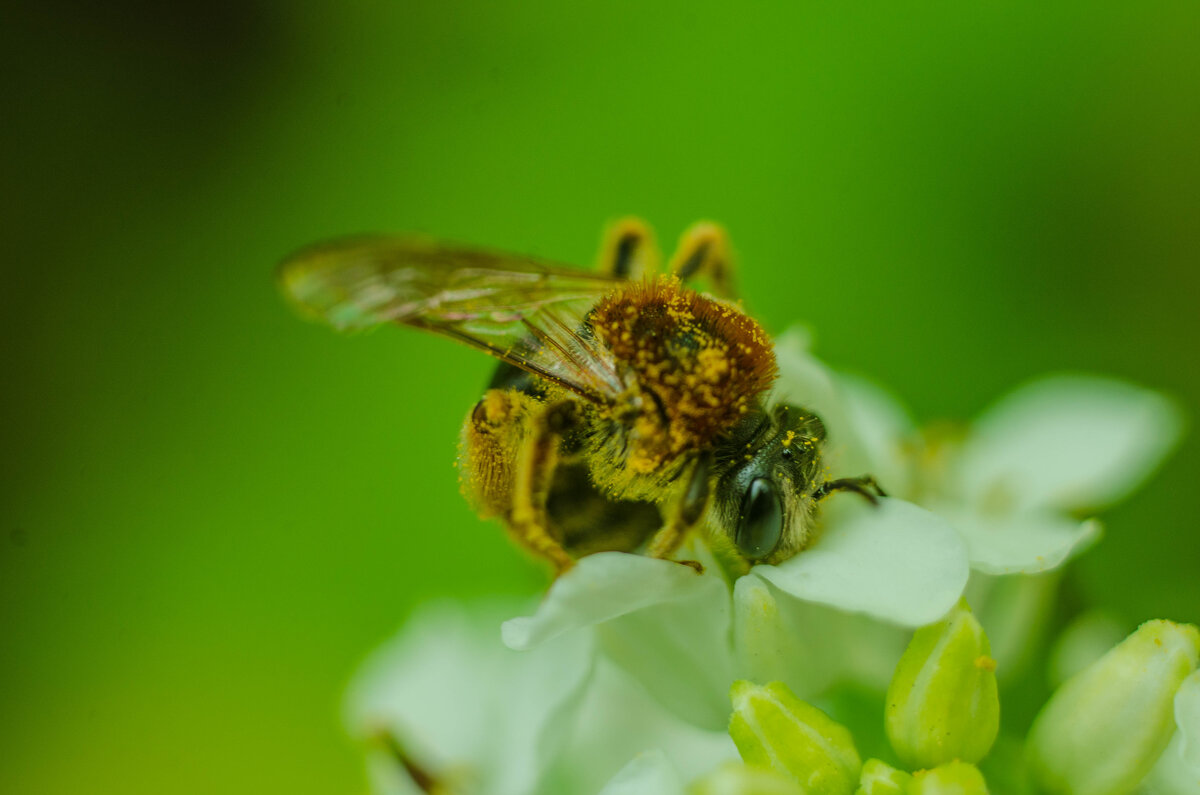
(210,511)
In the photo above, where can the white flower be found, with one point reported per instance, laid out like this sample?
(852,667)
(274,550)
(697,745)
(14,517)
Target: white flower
(618,720)
(686,636)
(464,710)
(446,707)
(649,773)
(1011,486)
(1057,445)
(1000,499)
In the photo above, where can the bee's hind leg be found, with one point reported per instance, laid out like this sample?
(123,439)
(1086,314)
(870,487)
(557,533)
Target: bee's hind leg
(628,250)
(684,517)
(862,486)
(536,461)
(704,252)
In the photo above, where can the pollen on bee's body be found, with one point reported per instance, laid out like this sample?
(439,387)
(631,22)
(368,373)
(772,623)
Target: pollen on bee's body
(701,359)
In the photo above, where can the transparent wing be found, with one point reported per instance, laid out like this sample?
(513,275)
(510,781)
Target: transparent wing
(517,309)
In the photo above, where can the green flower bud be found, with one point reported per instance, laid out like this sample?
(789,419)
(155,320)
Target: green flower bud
(774,729)
(942,703)
(953,778)
(735,778)
(880,778)
(1102,731)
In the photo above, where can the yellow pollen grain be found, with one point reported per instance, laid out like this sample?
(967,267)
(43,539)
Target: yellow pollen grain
(713,364)
(985,663)
(787,439)
(495,408)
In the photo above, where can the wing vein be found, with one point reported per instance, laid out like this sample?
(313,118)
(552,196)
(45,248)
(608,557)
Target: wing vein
(519,310)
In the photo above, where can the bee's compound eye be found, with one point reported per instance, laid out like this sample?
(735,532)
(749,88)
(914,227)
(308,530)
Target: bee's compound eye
(761,522)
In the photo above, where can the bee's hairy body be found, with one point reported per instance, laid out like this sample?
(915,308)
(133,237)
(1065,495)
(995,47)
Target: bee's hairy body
(692,366)
(496,460)
(625,429)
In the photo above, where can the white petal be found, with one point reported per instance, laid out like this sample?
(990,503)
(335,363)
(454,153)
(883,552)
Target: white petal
(803,379)
(807,646)
(462,704)
(432,664)
(665,624)
(771,647)
(618,720)
(680,652)
(1171,774)
(881,428)
(1027,543)
(893,561)
(1068,442)
(1187,718)
(602,587)
(648,774)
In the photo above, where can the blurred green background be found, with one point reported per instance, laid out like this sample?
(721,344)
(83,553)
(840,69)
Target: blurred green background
(211,511)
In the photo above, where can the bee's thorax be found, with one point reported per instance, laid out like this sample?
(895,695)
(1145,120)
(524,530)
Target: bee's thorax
(694,366)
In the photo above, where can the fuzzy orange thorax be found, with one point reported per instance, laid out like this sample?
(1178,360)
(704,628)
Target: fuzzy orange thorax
(704,360)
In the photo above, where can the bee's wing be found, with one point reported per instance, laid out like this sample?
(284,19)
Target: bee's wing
(517,309)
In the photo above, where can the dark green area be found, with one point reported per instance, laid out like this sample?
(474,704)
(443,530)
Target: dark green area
(209,511)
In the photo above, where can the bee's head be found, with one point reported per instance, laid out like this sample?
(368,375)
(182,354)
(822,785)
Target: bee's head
(765,478)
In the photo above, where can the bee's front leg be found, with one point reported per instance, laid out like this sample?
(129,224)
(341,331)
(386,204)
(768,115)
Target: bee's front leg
(704,252)
(863,486)
(536,461)
(685,514)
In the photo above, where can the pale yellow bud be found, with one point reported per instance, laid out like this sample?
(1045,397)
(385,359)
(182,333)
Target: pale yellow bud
(880,778)
(942,704)
(1103,730)
(774,729)
(952,778)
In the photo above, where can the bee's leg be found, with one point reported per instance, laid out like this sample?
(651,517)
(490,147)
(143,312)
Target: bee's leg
(704,252)
(504,449)
(536,461)
(685,516)
(492,435)
(861,486)
(628,250)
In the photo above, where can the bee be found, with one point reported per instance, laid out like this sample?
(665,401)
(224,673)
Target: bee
(627,409)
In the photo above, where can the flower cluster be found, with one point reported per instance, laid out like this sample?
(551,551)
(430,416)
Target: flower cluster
(637,675)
